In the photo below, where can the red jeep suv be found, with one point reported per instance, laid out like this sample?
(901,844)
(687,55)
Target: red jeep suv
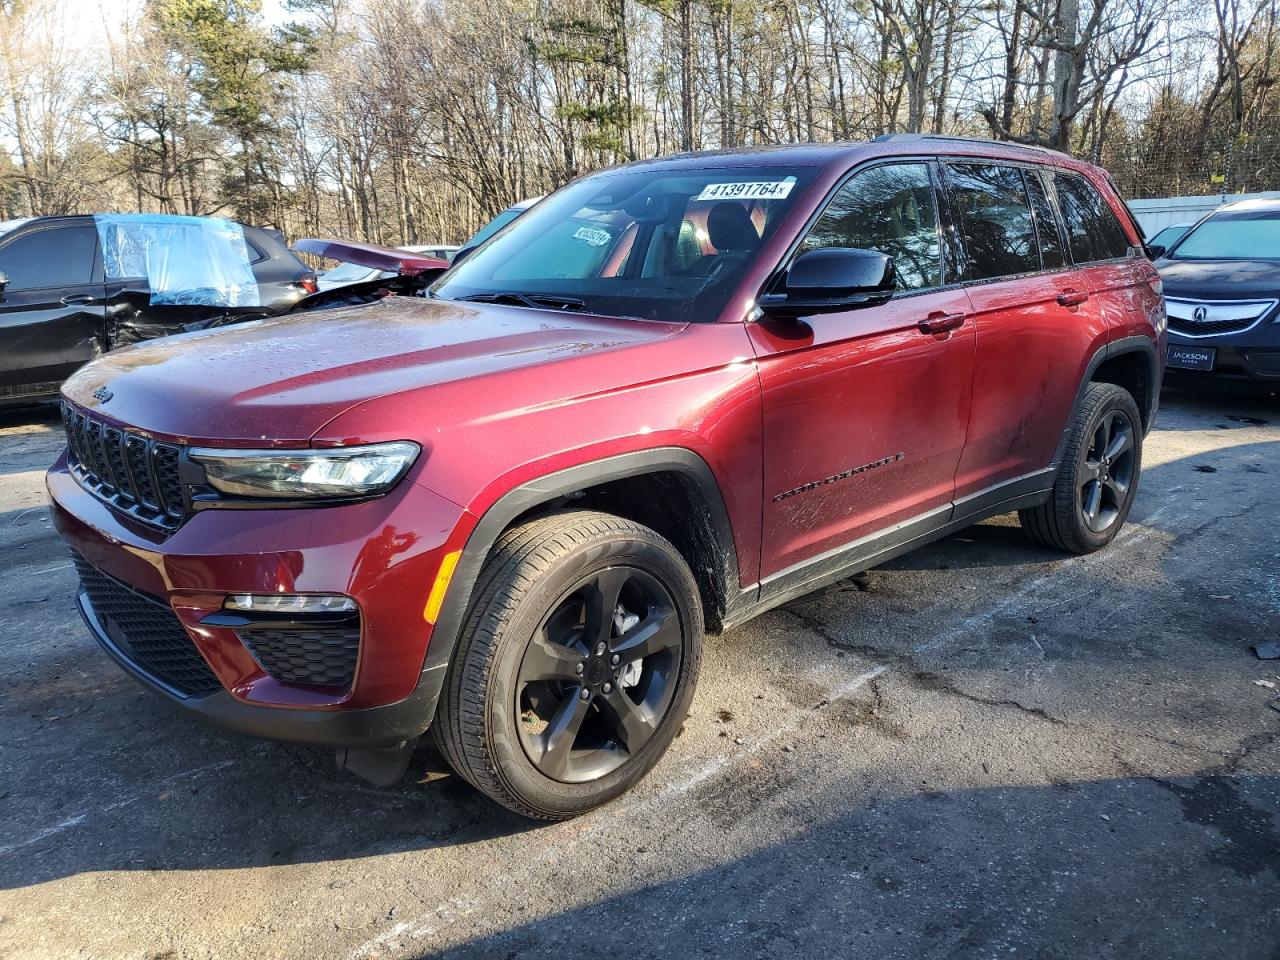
(670,396)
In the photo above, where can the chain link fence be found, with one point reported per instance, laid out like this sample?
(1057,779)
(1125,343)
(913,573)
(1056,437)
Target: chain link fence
(1185,167)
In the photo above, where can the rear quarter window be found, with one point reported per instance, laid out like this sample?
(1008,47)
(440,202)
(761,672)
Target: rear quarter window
(256,253)
(1093,232)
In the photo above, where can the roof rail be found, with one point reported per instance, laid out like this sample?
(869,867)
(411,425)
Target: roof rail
(986,141)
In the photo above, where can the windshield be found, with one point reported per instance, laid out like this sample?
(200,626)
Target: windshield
(348,273)
(1168,236)
(8,226)
(494,225)
(1233,235)
(654,244)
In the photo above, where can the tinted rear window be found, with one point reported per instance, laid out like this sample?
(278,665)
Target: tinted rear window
(1093,232)
(995,215)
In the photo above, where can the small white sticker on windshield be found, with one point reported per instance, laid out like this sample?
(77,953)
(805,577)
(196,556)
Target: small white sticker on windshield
(597,238)
(747,190)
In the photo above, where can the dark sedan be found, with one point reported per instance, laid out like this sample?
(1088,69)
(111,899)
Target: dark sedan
(1222,290)
(72,288)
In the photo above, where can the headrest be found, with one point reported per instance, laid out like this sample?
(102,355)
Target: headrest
(729,227)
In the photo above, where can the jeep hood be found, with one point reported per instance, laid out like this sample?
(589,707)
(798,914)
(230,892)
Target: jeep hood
(277,382)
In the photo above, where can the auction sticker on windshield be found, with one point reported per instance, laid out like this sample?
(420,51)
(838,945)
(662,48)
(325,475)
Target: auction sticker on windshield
(597,238)
(747,190)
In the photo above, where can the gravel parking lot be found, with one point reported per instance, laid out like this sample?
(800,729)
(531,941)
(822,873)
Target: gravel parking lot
(991,750)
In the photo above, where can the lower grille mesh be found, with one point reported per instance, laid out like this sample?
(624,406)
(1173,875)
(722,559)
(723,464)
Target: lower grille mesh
(323,655)
(1206,328)
(147,632)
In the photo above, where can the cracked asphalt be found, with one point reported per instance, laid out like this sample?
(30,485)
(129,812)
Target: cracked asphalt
(986,749)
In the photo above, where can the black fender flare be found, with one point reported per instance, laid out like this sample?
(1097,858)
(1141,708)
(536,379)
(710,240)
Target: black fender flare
(548,489)
(1116,348)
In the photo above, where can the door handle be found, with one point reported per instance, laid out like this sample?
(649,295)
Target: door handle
(79,300)
(1072,298)
(941,322)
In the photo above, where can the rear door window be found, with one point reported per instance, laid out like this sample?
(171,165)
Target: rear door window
(1052,255)
(54,257)
(995,218)
(1093,232)
(890,209)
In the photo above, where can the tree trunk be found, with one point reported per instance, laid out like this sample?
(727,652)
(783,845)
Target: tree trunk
(1011,57)
(686,75)
(1067,64)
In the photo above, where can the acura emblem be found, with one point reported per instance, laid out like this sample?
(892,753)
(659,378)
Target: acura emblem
(102,394)
(1200,314)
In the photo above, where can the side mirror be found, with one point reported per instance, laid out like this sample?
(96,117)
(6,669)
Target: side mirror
(4,281)
(1156,250)
(832,279)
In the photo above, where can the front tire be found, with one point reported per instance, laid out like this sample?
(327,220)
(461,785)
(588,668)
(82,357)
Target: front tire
(576,665)
(1098,478)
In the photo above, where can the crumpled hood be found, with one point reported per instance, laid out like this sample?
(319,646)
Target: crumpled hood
(1220,279)
(278,381)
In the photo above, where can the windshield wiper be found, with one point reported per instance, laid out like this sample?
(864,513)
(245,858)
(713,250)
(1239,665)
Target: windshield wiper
(516,299)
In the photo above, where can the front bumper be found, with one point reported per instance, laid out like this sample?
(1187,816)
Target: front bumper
(384,553)
(1251,357)
(363,727)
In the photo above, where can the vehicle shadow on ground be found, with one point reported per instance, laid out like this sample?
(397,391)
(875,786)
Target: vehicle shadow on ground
(1234,406)
(120,783)
(224,802)
(34,414)
(28,538)
(947,874)
(1000,542)
(30,447)
(27,521)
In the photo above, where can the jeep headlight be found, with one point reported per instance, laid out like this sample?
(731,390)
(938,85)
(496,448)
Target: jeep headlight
(333,473)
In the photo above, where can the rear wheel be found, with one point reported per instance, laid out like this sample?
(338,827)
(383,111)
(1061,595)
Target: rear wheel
(1098,478)
(576,666)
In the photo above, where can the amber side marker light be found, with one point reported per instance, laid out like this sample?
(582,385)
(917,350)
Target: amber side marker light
(435,600)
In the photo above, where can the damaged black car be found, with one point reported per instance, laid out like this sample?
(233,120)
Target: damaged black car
(72,288)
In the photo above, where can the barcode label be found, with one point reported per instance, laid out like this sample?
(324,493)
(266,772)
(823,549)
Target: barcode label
(747,190)
(597,238)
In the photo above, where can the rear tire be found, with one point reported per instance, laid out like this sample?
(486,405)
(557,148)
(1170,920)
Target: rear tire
(1098,477)
(576,665)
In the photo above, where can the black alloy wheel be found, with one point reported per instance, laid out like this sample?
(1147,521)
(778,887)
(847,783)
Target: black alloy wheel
(1097,476)
(575,666)
(1107,471)
(598,675)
